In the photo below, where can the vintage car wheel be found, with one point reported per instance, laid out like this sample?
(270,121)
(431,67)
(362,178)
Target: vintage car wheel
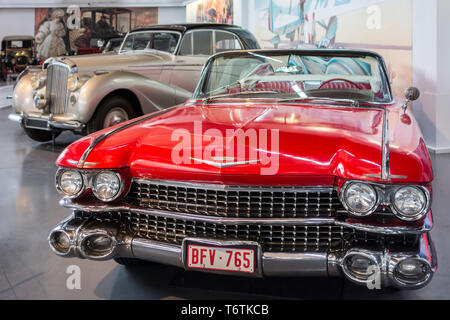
(112,111)
(128,261)
(40,135)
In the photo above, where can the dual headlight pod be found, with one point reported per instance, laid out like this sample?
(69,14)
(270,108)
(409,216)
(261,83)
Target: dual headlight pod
(105,185)
(409,203)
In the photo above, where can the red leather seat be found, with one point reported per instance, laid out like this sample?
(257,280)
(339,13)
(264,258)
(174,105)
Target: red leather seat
(343,85)
(281,86)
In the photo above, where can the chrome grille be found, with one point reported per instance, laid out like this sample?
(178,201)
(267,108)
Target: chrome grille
(57,75)
(240,202)
(277,238)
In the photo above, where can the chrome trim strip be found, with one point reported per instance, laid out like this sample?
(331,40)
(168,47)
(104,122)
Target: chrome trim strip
(68,203)
(104,136)
(378,176)
(385,148)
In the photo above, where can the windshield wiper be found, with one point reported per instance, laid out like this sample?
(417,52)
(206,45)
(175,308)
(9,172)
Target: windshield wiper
(353,103)
(218,96)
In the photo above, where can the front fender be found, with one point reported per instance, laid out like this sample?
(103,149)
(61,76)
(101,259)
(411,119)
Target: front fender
(23,95)
(152,94)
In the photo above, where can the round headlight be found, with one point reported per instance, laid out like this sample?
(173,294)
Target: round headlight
(69,182)
(360,198)
(107,186)
(35,82)
(73,83)
(409,203)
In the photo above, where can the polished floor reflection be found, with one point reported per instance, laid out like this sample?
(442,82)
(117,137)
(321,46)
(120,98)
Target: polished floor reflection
(29,270)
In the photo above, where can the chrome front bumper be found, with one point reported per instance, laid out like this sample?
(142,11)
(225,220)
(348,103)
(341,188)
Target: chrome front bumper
(124,244)
(44,122)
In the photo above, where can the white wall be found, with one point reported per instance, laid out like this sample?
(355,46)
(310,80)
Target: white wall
(16,22)
(171,15)
(431,68)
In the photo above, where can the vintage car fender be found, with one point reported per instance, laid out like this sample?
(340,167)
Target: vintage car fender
(152,95)
(23,95)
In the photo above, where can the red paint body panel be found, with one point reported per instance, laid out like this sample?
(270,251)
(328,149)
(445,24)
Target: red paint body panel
(318,145)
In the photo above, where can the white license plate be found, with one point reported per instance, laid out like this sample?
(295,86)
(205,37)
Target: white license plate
(221,258)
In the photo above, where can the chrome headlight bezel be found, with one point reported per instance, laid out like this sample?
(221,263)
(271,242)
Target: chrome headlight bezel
(420,214)
(385,194)
(59,174)
(73,83)
(342,196)
(37,81)
(119,191)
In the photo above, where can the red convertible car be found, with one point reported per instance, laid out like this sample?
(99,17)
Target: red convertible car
(283,163)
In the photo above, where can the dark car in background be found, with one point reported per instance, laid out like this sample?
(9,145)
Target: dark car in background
(17,52)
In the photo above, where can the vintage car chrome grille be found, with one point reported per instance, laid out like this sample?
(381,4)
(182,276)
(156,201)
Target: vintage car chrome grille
(272,237)
(56,90)
(239,202)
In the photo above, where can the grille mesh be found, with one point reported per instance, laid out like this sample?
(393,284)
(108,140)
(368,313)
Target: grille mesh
(57,88)
(275,238)
(239,202)
(272,238)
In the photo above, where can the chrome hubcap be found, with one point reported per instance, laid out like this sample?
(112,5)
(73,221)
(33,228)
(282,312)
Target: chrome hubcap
(115,116)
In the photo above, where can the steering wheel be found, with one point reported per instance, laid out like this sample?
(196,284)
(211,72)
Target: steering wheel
(338,79)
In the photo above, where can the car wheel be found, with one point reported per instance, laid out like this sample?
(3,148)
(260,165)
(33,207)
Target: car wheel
(112,111)
(40,135)
(128,261)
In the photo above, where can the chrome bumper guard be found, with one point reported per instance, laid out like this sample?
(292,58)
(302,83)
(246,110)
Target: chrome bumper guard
(44,123)
(74,238)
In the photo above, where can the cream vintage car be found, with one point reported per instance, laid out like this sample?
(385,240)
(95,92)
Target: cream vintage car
(155,68)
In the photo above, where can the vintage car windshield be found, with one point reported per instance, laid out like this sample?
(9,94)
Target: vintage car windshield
(18,44)
(160,40)
(294,75)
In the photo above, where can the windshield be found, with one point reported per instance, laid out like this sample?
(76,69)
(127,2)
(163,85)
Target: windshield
(18,44)
(162,41)
(296,76)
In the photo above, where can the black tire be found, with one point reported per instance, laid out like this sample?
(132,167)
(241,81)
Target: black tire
(128,262)
(41,135)
(112,103)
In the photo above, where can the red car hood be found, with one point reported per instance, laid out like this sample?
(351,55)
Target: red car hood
(312,145)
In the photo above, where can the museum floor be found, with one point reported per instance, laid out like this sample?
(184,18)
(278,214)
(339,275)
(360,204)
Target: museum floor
(29,270)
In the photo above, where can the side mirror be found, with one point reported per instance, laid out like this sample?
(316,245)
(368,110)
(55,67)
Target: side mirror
(412,94)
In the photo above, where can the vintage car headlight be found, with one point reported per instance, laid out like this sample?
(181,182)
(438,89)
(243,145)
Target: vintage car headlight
(359,198)
(409,203)
(73,83)
(107,186)
(69,183)
(36,81)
